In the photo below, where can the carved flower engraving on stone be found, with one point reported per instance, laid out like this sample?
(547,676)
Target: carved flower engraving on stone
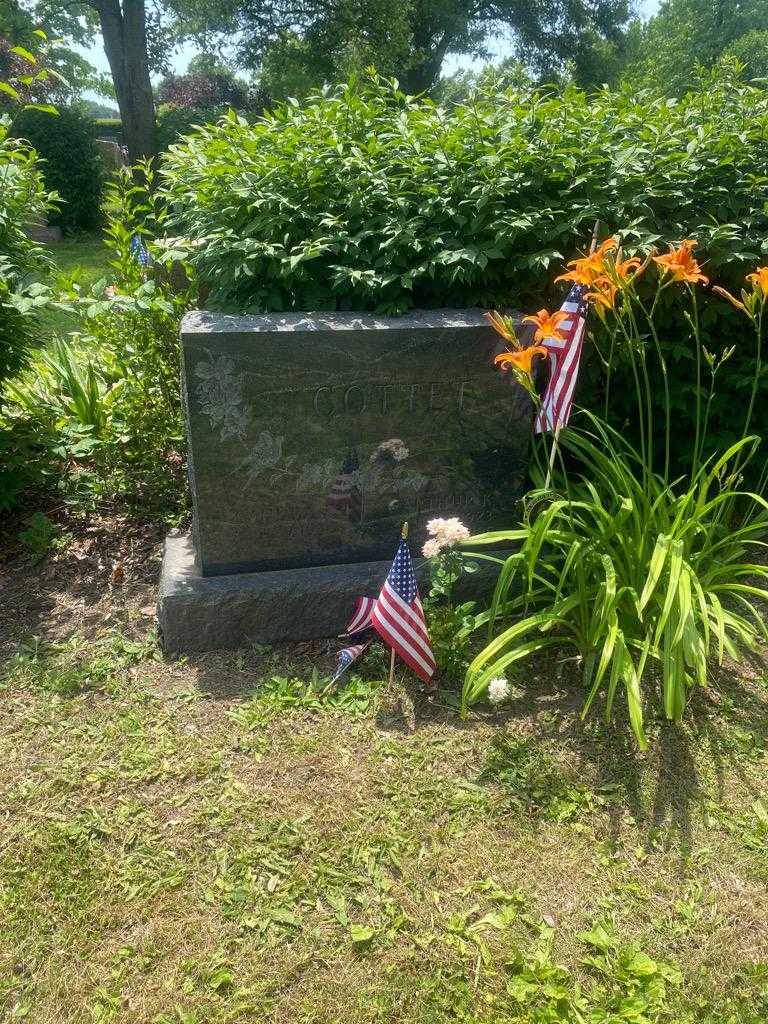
(221,396)
(317,476)
(264,454)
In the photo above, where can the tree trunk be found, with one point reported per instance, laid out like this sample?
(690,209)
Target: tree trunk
(125,44)
(433,46)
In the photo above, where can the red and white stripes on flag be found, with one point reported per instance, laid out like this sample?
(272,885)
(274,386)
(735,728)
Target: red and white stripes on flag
(398,616)
(361,617)
(564,358)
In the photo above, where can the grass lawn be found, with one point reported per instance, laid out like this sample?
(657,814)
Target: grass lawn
(83,259)
(206,840)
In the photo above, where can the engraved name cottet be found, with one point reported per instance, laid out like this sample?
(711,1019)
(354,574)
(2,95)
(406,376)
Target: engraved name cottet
(377,398)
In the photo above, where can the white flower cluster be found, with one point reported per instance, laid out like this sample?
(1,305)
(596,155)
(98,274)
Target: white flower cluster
(444,533)
(498,690)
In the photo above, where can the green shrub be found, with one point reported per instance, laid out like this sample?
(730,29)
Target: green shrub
(173,121)
(98,416)
(363,198)
(23,197)
(65,142)
(751,50)
(366,198)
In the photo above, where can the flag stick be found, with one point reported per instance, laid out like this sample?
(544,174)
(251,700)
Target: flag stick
(391,665)
(558,427)
(552,455)
(403,536)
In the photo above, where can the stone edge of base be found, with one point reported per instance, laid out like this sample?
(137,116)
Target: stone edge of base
(206,613)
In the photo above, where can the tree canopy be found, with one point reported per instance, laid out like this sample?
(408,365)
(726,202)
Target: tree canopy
(689,35)
(19,25)
(303,43)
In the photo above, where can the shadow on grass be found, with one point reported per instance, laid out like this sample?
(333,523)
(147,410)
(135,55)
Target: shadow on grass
(663,793)
(661,796)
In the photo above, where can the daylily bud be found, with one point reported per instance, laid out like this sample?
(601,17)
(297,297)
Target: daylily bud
(725,294)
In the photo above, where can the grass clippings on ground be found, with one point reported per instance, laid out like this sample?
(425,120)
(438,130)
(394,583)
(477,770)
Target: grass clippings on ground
(208,840)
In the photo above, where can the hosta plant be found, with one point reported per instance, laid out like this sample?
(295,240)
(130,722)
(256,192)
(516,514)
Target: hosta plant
(649,579)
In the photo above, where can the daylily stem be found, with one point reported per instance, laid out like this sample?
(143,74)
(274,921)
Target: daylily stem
(665,379)
(641,415)
(648,393)
(608,366)
(758,369)
(696,333)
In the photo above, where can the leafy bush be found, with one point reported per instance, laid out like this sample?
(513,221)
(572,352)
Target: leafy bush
(642,574)
(22,197)
(173,122)
(98,416)
(752,51)
(65,142)
(364,198)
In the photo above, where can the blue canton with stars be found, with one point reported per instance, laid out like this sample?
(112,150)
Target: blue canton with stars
(577,295)
(346,657)
(401,577)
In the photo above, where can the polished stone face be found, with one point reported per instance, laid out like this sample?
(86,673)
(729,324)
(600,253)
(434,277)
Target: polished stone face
(312,437)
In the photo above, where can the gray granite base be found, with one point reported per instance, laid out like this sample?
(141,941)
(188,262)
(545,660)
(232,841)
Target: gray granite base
(203,613)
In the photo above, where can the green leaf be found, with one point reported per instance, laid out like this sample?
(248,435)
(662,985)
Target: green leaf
(45,107)
(21,52)
(362,935)
(600,938)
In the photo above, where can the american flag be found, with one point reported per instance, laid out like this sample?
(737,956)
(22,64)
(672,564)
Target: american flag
(564,356)
(344,494)
(398,617)
(139,251)
(346,656)
(361,616)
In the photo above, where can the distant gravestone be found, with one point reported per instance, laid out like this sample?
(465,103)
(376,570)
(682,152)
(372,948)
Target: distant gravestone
(112,154)
(311,438)
(42,231)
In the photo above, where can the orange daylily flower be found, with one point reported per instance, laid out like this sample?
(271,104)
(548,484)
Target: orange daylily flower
(605,247)
(604,293)
(589,268)
(547,324)
(760,278)
(581,273)
(503,325)
(522,360)
(681,264)
(623,268)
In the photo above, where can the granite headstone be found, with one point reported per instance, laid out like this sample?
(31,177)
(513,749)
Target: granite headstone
(313,436)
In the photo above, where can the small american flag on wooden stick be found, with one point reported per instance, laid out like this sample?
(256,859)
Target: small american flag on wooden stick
(348,655)
(398,616)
